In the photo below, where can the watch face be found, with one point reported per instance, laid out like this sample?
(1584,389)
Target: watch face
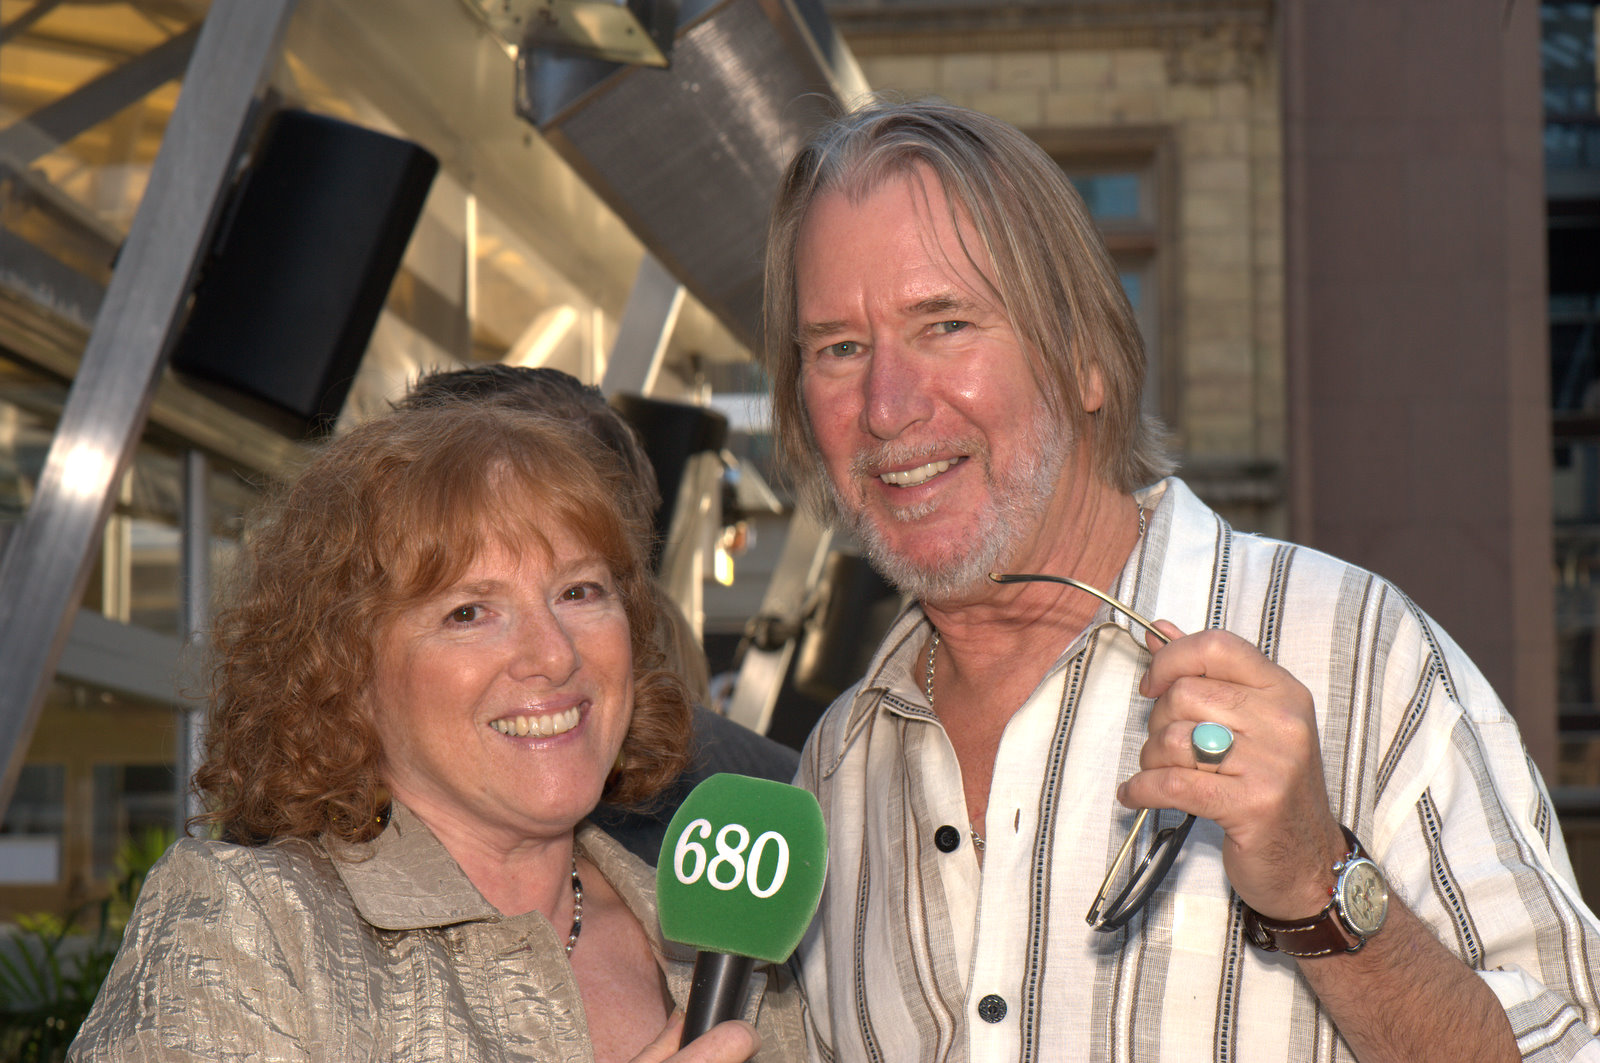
(1363,897)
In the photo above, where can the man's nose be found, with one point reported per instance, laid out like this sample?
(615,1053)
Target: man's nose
(896,392)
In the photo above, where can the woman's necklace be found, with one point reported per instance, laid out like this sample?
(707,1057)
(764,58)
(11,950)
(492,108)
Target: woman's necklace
(577,906)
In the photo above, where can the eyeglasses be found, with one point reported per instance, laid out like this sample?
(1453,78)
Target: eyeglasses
(1158,859)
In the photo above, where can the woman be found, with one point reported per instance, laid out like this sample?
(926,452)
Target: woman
(439,660)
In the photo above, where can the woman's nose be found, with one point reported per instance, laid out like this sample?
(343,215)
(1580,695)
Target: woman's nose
(544,649)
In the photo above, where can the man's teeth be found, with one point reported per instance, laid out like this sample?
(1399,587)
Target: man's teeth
(912,477)
(538,726)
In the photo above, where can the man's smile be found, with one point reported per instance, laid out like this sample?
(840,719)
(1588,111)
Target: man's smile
(921,474)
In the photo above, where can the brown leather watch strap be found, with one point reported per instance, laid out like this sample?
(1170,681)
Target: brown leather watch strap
(1319,935)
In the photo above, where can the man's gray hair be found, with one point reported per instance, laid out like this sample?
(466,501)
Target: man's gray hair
(1050,272)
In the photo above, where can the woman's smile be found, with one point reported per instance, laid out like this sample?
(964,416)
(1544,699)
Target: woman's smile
(542,725)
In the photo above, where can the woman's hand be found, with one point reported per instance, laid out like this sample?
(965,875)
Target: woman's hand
(727,1042)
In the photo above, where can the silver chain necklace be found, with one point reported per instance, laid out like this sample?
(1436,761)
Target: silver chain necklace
(933,648)
(927,679)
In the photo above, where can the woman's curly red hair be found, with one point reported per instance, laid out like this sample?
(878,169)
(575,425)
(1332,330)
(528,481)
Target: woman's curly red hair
(387,514)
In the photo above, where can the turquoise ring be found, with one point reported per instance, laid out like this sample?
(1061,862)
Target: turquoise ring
(1210,742)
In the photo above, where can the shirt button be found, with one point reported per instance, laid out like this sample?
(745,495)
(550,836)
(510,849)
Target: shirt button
(992,1008)
(947,838)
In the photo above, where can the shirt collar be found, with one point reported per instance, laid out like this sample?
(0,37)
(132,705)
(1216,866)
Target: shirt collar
(895,681)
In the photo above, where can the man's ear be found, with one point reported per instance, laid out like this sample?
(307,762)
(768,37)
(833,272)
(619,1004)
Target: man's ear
(1091,388)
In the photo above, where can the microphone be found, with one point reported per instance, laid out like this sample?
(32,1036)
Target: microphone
(739,878)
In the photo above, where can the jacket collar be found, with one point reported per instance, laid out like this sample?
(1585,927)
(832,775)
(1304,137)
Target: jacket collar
(405,879)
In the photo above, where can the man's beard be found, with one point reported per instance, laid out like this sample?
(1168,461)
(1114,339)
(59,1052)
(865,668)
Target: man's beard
(962,566)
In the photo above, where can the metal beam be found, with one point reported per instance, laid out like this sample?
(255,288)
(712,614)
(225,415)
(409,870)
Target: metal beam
(46,280)
(646,327)
(691,537)
(57,122)
(766,661)
(19,25)
(130,660)
(47,560)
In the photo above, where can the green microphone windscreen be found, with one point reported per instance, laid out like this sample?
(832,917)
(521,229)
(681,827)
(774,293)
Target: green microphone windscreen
(741,867)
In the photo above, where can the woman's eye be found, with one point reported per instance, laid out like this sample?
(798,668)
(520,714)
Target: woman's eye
(948,327)
(465,614)
(580,592)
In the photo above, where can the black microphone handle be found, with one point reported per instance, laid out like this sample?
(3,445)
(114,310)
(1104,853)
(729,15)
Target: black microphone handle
(717,991)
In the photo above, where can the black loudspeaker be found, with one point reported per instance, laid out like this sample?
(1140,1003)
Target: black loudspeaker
(672,433)
(301,264)
(855,609)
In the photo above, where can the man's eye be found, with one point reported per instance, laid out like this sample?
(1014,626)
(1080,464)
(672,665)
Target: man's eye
(842,349)
(948,327)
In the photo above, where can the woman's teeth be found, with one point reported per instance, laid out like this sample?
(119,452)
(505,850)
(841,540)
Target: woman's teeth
(538,726)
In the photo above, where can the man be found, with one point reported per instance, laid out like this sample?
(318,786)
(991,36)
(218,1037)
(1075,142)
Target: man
(950,349)
(721,745)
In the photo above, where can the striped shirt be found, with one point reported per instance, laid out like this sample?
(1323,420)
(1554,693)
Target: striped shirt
(916,954)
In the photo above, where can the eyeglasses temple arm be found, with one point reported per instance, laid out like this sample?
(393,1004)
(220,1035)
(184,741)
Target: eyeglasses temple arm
(1122,855)
(1038,577)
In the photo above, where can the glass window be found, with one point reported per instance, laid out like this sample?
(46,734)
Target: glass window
(32,829)
(1571,128)
(139,574)
(1120,193)
(130,801)
(101,772)
(1113,197)
(1568,55)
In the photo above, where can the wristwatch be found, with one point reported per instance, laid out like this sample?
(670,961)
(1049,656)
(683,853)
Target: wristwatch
(1359,905)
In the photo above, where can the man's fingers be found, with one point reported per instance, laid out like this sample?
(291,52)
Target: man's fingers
(1167,628)
(1208,654)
